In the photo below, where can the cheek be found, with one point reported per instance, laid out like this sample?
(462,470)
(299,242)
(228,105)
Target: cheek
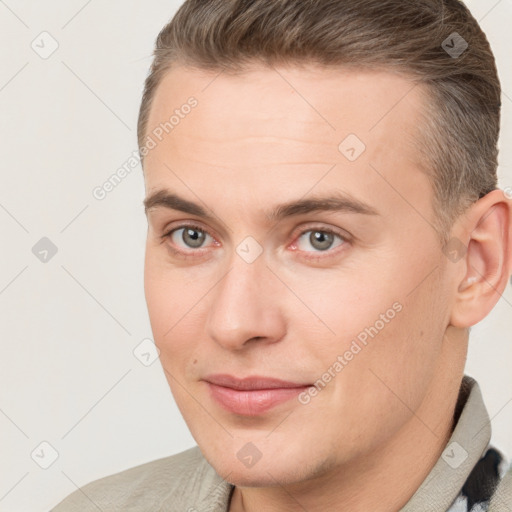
(167,303)
(399,362)
(386,333)
(167,297)
(340,306)
(386,379)
(174,308)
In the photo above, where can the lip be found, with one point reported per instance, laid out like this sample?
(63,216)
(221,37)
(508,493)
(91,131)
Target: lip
(251,396)
(252,382)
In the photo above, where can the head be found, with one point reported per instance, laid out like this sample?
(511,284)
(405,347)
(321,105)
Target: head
(324,211)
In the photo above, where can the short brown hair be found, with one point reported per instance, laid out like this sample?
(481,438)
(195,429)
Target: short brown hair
(460,122)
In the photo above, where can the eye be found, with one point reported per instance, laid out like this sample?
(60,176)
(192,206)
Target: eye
(188,237)
(320,239)
(189,240)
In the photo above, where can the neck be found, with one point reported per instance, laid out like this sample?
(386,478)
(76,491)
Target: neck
(385,479)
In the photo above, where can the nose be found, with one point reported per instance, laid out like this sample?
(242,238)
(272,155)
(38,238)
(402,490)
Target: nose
(245,307)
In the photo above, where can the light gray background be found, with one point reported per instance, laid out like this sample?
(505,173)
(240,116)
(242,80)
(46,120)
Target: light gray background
(68,375)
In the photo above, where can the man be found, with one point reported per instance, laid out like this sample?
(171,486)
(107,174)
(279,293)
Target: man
(324,228)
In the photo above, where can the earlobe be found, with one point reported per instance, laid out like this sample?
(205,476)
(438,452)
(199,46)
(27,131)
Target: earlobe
(488,259)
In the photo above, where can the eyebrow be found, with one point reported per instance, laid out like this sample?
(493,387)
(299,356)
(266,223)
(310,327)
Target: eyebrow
(338,202)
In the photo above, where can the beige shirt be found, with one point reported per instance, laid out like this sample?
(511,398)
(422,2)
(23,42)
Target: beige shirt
(186,482)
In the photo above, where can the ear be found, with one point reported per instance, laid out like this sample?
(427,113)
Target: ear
(483,240)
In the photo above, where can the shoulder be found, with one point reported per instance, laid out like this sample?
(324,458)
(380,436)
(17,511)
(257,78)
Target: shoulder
(175,478)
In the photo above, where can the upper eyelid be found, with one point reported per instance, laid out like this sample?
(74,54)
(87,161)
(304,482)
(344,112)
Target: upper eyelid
(168,231)
(334,231)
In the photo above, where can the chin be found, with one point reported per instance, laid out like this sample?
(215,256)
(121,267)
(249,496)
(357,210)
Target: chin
(249,479)
(267,472)
(262,477)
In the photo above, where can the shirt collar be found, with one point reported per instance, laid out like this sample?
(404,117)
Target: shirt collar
(467,444)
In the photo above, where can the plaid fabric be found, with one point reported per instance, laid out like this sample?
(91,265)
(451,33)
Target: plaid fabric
(481,483)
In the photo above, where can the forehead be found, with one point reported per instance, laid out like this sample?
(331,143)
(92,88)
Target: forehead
(334,99)
(311,103)
(274,126)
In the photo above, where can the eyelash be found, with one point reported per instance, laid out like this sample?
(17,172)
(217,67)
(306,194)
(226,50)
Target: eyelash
(317,255)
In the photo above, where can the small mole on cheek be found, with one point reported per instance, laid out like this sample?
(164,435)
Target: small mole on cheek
(194,361)
(421,333)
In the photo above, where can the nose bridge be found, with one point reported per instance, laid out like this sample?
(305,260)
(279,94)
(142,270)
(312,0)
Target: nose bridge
(241,308)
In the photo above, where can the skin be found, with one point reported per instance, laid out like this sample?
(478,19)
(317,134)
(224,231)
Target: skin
(269,136)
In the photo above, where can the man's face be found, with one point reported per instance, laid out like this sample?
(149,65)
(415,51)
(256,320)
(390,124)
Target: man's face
(246,293)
